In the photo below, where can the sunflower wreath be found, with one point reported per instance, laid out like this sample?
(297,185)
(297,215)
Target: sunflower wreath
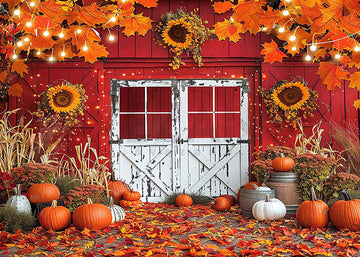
(288,102)
(65,100)
(182,32)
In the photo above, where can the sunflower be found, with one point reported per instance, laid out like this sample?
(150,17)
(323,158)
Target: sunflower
(289,102)
(64,98)
(177,34)
(291,96)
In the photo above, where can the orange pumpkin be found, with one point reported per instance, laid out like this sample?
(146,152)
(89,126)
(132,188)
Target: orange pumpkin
(93,216)
(283,164)
(313,213)
(346,213)
(222,204)
(250,186)
(231,198)
(43,192)
(131,195)
(117,189)
(55,217)
(183,200)
(129,203)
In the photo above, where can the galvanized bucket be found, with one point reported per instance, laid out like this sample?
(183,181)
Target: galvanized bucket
(249,197)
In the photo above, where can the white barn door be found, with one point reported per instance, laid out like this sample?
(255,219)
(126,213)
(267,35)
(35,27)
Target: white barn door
(173,135)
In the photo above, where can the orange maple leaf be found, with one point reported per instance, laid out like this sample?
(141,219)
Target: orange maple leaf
(355,80)
(228,29)
(3,76)
(356,104)
(52,9)
(249,12)
(20,67)
(15,90)
(222,7)
(95,50)
(90,15)
(331,75)
(148,3)
(332,10)
(110,240)
(272,52)
(135,23)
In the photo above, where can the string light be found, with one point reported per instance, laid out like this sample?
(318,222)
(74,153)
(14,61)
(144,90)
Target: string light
(313,47)
(111,37)
(337,56)
(285,13)
(61,35)
(19,43)
(51,58)
(32,4)
(28,24)
(231,19)
(113,19)
(282,29)
(308,57)
(85,47)
(293,37)
(293,48)
(288,1)
(63,51)
(17,12)
(78,30)
(46,33)
(264,28)
(356,48)
(14,55)
(26,39)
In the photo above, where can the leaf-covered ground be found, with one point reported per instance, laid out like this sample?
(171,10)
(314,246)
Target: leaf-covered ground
(165,230)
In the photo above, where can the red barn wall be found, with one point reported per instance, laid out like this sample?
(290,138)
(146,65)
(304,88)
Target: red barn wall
(139,57)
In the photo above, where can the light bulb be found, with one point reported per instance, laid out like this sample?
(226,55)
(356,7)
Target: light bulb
(38,52)
(293,48)
(313,47)
(61,35)
(292,38)
(113,19)
(28,24)
(288,1)
(231,19)
(308,58)
(78,31)
(281,29)
(46,33)
(111,38)
(264,28)
(32,4)
(356,48)
(19,43)
(286,13)
(26,39)
(17,12)
(85,48)
(337,56)
(62,54)
(51,58)
(14,56)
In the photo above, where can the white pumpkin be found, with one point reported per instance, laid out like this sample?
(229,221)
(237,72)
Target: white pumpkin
(262,188)
(117,212)
(20,202)
(269,209)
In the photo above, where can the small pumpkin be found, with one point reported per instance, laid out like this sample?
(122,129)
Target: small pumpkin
(231,198)
(129,203)
(131,195)
(283,163)
(117,189)
(55,217)
(117,213)
(313,213)
(269,209)
(183,200)
(93,216)
(261,188)
(222,204)
(250,185)
(20,202)
(43,192)
(346,213)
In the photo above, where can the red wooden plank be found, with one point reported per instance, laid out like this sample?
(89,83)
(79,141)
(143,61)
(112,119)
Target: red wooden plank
(132,126)
(200,125)
(163,7)
(143,43)
(132,100)
(159,126)
(241,48)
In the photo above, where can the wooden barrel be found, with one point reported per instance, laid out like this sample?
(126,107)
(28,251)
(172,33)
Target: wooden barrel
(247,198)
(285,185)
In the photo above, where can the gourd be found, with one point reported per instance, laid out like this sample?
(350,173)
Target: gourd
(55,217)
(93,216)
(346,213)
(43,192)
(131,199)
(222,204)
(313,213)
(269,209)
(117,189)
(117,213)
(231,198)
(183,200)
(261,188)
(283,163)
(20,202)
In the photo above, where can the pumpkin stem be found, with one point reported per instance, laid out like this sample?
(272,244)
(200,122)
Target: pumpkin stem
(267,198)
(111,201)
(89,201)
(17,189)
(184,192)
(255,186)
(346,195)
(53,204)
(313,195)
(282,155)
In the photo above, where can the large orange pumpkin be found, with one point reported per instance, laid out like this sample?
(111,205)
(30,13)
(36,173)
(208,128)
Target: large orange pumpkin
(313,213)
(222,203)
(55,217)
(346,213)
(131,195)
(93,216)
(183,200)
(231,198)
(117,189)
(283,164)
(43,192)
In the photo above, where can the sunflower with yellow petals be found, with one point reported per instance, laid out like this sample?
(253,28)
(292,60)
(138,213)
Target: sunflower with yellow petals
(182,32)
(289,102)
(66,100)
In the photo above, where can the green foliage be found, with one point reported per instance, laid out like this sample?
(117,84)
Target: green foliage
(338,182)
(14,220)
(67,183)
(30,173)
(197,199)
(78,196)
